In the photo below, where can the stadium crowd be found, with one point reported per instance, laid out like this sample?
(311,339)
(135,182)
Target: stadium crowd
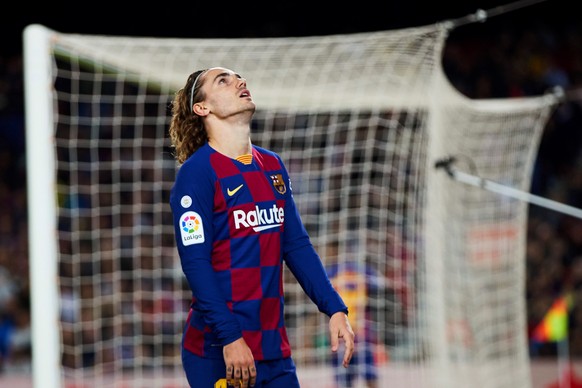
(517,63)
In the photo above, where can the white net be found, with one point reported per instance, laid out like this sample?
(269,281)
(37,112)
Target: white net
(434,269)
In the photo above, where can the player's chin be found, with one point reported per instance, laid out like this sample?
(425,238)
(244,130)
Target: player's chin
(251,107)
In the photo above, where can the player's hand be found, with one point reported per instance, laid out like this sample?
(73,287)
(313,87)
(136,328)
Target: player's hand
(240,363)
(340,328)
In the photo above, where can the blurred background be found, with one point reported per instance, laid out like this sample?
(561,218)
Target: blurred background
(521,49)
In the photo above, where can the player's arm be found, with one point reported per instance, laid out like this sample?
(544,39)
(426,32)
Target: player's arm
(304,262)
(306,266)
(192,199)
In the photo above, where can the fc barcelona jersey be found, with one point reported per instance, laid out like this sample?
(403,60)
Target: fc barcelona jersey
(235,226)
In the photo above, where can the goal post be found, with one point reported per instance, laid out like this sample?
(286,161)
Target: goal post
(437,267)
(43,252)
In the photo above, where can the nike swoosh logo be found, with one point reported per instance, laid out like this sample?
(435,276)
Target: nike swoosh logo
(233,192)
(265,227)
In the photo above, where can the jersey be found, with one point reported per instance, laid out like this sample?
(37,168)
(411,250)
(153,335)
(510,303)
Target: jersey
(236,225)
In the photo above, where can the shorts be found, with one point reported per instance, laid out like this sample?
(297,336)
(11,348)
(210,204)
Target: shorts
(205,372)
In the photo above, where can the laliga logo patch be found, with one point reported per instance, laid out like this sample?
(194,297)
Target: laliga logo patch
(191,228)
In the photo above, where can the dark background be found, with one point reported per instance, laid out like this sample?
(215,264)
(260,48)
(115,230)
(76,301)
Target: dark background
(270,19)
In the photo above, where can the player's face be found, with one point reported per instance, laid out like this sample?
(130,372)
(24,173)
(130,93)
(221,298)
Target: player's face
(226,93)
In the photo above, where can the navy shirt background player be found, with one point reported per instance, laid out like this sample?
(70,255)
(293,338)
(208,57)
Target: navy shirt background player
(236,224)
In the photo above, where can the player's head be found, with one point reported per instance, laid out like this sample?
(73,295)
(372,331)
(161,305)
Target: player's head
(215,92)
(218,94)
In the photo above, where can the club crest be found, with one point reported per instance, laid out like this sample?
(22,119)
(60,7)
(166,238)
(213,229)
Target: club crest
(278,183)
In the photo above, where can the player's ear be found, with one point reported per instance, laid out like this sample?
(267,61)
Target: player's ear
(200,109)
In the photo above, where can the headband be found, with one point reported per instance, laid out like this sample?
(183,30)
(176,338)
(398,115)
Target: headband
(192,90)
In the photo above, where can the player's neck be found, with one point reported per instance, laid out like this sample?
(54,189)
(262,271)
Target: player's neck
(233,147)
(230,137)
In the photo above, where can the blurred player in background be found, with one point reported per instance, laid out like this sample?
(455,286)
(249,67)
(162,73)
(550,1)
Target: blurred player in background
(353,282)
(236,223)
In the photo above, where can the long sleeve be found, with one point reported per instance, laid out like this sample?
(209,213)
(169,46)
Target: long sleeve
(306,265)
(192,203)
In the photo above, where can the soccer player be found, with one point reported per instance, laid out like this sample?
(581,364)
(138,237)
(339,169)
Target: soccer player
(236,224)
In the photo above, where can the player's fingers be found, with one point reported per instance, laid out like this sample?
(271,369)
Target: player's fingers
(334,341)
(234,383)
(253,376)
(229,370)
(347,358)
(245,378)
(349,349)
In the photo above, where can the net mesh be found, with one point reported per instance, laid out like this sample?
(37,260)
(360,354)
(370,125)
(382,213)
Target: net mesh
(433,270)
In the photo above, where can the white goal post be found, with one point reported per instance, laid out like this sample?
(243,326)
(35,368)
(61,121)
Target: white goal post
(360,120)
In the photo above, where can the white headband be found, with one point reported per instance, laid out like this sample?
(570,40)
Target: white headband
(192,91)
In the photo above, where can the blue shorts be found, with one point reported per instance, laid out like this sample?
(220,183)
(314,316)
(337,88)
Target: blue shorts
(205,372)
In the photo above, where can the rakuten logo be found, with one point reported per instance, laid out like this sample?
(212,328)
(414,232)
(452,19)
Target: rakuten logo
(259,219)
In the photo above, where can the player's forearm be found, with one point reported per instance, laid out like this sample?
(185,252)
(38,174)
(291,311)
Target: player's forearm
(209,300)
(307,268)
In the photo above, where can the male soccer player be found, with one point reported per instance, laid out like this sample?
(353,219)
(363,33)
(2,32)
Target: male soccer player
(236,224)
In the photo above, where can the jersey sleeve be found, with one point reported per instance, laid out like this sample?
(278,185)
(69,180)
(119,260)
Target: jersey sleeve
(305,263)
(192,203)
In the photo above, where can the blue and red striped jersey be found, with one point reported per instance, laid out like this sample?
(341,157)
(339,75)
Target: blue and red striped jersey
(235,226)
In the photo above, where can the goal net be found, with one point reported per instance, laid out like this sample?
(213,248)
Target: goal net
(433,269)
